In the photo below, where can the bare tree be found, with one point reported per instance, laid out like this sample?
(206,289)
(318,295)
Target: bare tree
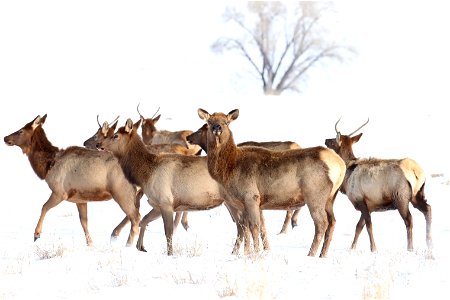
(281,41)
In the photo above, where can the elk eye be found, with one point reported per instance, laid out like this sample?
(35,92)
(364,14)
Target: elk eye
(21,131)
(116,136)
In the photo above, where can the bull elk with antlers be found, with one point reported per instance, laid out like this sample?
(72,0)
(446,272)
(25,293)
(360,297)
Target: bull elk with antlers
(199,137)
(262,179)
(76,174)
(381,184)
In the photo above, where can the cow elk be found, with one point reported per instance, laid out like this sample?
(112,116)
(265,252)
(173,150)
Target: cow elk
(107,130)
(172,182)
(261,179)
(199,137)
(381,184)
(75,174)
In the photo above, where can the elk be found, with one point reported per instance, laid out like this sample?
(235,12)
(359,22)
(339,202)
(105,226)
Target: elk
(172,182)
(373,184)
(262,179)
(152,136)
(200,138)
(107,130)
(75,174)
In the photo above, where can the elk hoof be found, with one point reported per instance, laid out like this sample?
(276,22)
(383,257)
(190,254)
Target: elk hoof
(36,236)
(141,248)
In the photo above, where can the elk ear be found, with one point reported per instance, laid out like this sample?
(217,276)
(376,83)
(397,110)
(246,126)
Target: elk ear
(38,121)
(203,114)
(356,138)
(338,138)
(105,128)
(233,115)
(128,126)
(136,125)
(156,119)
(113,126)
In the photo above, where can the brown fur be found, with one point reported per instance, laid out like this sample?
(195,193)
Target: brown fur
(262,179)
(171,182)
(153,136)
(381,184)
(199,137)
(75,174)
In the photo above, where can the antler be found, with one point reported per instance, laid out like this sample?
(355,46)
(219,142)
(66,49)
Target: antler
(335,126)
(142,117)
(98,122)
(117,118)
(359,127)
(155,112)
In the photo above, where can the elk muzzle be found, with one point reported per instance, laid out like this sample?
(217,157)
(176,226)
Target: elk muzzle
(216,129)
(8,141)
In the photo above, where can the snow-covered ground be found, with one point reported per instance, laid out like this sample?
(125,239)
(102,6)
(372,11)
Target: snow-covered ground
(60,266)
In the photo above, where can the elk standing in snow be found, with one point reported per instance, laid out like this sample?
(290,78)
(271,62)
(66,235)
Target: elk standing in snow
(75,174)
(199,137)
(381,184)
(172,182)
(262,179)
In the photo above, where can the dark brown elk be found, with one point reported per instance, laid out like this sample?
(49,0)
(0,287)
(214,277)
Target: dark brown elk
(75,174)
(381,184)
(261,179)
(172,182)
(199,137)
(107,130)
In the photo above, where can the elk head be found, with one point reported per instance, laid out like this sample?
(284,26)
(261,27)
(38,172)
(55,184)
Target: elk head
(218,124)
(22,137)
(342,144)
(148,126)
(104,131)
(117,143)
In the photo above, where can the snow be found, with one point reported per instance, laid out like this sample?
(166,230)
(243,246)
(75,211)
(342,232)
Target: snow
(83,60)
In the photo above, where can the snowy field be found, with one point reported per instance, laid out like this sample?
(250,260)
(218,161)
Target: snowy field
(73,61)
(60,266)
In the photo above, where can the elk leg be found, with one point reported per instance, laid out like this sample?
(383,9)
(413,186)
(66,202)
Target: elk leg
(177,219)
(82,213)
(125,220)
(287,220)
(265,240)
(119,228)
(51,202)
(167,215)
(407,218)
(330,228)
(132,212)
(358,229)
(254,221)
(184,220)
(319,217)
(426,210)
(151,216)
(294,220)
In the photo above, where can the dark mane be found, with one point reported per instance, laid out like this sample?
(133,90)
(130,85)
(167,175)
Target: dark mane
(42,153)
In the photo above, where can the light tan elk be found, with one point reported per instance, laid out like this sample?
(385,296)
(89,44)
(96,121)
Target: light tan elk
(152,136)
(199,137)
(172,182)
(262,179)
(107,130)
(75,174)
(381,184)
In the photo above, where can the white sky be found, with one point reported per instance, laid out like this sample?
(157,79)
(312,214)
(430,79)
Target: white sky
(74,60)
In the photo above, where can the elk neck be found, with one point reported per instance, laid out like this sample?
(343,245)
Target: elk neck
(137,163)
(42,153)
(222,158)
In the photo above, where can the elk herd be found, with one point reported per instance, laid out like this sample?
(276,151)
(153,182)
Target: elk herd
(168,167)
